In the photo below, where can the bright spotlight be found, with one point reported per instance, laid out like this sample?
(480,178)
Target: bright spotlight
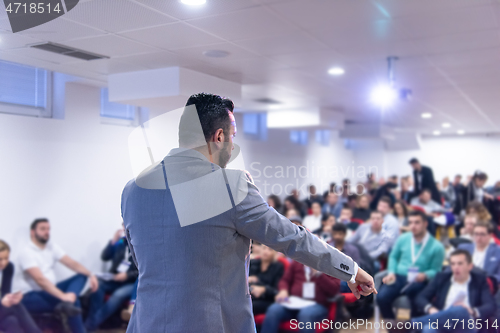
(426,115)
(383,96)
(436,133)
(193,2)
(446,125)
(336,71)
(460,132)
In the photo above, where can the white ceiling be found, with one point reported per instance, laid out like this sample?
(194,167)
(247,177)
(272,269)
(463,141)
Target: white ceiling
(449,51)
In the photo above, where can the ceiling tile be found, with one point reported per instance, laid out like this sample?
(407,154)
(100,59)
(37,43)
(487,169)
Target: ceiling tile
(60,30)
(159,60)
(249,23)
(106,66)
(41,55)
(173,36)
(116,15)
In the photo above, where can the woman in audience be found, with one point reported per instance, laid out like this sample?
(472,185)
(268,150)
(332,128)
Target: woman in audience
(474,192)
(313,221)
(362,210)
(292,203)
(401,214)
(478,209)
(264,275)
(325,232)
(14,318)
(275,202)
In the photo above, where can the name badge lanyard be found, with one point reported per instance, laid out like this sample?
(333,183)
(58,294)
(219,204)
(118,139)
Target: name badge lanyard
(414,257)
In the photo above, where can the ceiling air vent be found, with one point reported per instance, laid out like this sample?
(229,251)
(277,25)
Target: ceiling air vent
(68,51)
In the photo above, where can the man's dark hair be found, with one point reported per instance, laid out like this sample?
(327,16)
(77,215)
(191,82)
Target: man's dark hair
(413,161)
(466,253)
(376,212)
(489,227)
(386,199)
(37,222)
(426,190)
(419,213)
(325,217)
(213,114)
(339,227)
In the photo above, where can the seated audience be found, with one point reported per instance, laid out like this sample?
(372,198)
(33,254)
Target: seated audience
(313,221)
(424,201)
(319,288)
(468,230)
(485,253)
(390,225)
(474,191)
(291,202)
(264,276)
(448,193)
(362,210)
(346,219)
(14,318)
(120,287)
(478,209)
(325,232)
(42,292)
(423,177)
(338,241)
(275,202)
(401,214)
(291,212)
(332,205)
(457,295)
(386,191)
(313,197)
(256,248)
(414,260)
(372,237)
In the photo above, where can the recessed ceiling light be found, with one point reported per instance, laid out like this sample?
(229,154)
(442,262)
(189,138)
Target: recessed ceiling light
(216,53)
(436,133)
(461,132)
(446,125)
(193,2)
(336,71)
(426,115)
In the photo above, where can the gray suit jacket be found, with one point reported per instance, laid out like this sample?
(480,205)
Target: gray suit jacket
(193,270)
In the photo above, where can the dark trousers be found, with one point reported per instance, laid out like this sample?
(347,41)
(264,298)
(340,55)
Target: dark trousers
(16,319)
(99,310)
(388,293)
(42,301)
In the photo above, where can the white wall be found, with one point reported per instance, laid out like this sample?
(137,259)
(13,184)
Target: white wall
(449,156)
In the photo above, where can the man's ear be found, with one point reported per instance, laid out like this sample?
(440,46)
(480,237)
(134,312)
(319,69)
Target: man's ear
(219,136)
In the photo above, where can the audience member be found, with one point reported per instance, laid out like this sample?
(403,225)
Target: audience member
(423,178)
(425,201)
(332,205)
(478,209)
(414,260)
(362,210)
(390,225)
(459,195)
(312,197)
(485,253)
(291,202)
(313,221)
(325,232)
(448,193)
(385,191)
(14,318)
(474,191)
(42,292)
(303,282)
(346,219)
(264,276)
(339,232)
(455,297)
(275,202)
(256,248)
(372,237)
(295,219)
(468,230)
(120,286)
(127,313)
(401,214)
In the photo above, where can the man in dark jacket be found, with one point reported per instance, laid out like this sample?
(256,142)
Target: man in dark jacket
(120,283)
(14,318)
(423,177)
(460,294)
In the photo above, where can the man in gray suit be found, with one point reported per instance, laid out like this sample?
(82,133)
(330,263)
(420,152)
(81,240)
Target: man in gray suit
(189,222)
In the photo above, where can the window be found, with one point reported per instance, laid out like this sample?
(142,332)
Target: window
(323,137)
(25,90)
(255,126)
(299,137)
(121,114)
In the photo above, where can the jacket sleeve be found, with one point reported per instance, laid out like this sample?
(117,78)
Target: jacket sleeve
(108,252)
(425,297)
(488,306)
(7,275)
(254,219)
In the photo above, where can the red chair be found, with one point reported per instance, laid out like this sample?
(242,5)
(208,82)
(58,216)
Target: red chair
(284,262)
(358,221)
(417,208)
